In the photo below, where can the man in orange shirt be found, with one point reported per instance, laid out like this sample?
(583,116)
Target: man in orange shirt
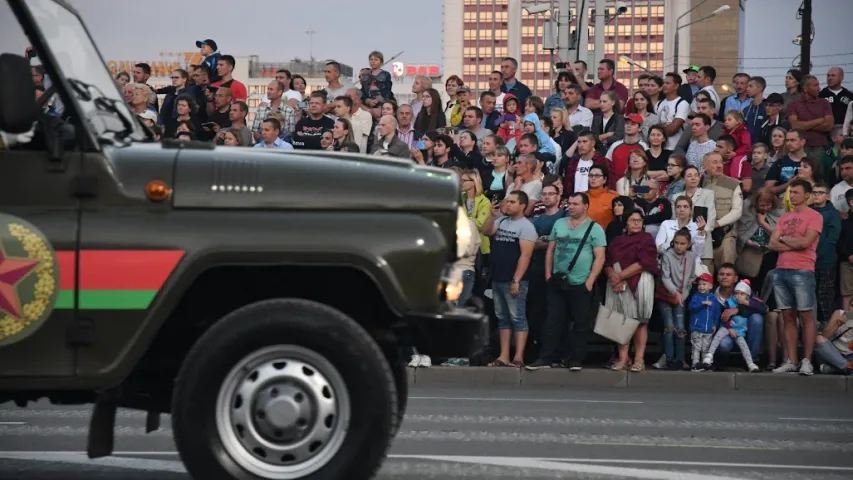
(600,197)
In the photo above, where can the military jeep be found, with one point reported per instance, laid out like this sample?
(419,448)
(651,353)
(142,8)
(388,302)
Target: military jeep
(262,298)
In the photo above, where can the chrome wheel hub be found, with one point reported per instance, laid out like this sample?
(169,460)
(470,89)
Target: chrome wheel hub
(283,412)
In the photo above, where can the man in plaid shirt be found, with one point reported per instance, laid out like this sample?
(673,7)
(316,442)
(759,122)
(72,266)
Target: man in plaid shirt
(275,90)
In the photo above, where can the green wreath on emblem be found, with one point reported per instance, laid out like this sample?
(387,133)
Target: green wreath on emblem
(28,285)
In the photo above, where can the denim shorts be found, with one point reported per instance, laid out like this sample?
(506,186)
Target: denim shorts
(794,290)
(511,311)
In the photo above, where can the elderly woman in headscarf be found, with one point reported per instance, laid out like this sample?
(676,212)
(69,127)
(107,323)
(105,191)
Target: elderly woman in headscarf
(631,266)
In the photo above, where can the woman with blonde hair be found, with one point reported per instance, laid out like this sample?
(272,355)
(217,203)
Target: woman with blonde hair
(500,176)
(562,132)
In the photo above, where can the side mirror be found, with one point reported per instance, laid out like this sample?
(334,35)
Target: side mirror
(18,108)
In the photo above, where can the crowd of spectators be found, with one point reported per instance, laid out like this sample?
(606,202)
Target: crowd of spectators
(722,220)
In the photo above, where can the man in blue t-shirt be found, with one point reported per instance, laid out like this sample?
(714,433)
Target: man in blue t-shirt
(513,238)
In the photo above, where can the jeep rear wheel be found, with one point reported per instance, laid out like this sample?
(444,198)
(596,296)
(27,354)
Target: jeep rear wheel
(284,389)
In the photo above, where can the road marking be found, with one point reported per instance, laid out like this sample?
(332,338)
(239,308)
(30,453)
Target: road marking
(804,419)
(562,466)
(531,400)
(13,423)
(695,464)
(80,458)
(77,458)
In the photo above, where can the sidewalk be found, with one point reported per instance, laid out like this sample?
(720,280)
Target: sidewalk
(659,381)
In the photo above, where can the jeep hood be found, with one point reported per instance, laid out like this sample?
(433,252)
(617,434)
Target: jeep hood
(247,178)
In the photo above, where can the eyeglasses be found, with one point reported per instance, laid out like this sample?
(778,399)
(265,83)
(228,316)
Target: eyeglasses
(595,175)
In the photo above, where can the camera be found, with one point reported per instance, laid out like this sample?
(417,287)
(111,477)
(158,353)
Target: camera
(621,8)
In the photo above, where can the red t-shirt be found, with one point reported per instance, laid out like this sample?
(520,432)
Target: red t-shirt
(795,224)
(239,93)
(594,93)
(739,168)
(807,110)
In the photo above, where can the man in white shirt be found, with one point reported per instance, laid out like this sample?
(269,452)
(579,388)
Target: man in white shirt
(527,181)
(496,79)
(838,192)
(578,114)
(707,75)
(700,144)
(672,110)
(361,116)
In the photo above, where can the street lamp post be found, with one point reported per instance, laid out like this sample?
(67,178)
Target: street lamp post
(721,9)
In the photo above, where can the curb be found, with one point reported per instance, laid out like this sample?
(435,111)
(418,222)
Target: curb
(679,382)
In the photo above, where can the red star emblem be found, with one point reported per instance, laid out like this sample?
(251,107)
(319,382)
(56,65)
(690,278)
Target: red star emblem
(12,271)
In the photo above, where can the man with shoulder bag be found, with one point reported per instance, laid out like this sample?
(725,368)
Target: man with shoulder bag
(574,259)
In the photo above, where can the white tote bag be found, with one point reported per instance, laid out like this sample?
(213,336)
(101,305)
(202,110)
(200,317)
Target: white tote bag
(610,323)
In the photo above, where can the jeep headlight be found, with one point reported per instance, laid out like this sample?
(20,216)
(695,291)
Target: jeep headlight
(464,235)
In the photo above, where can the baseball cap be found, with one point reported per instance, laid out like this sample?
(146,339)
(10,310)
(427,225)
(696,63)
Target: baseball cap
(209,42)
(775,99)
(691,68)
(463,90)
(634,118)
(706,277)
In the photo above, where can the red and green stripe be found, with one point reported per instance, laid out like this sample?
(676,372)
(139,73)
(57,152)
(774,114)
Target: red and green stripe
(115,279)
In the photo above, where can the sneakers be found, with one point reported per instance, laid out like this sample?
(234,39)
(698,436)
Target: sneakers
(539,364)
(698,367)
(574,367)
(708,360)
(420,361)
(753,368)
(806,367)
(660,364)
(828,369)
(788,367)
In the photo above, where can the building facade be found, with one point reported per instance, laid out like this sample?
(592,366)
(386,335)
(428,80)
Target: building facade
(479,33)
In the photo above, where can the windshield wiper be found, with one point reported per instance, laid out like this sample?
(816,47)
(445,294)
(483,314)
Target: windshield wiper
(104,103)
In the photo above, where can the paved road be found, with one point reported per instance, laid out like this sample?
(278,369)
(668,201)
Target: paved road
(512,434)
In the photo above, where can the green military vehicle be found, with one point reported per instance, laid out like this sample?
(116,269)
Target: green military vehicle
(262,298)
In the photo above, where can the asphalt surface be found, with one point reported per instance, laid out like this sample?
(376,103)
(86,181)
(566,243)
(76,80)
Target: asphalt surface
(489,433)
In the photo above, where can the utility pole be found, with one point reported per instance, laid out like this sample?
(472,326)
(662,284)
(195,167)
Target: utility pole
(600,10)
(310,32)
(806,42)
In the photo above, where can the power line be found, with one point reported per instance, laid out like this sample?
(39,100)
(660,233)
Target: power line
(768,58)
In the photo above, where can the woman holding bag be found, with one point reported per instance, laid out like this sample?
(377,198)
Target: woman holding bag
(631,266)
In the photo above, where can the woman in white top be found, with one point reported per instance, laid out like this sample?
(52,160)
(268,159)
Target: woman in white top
(636,174)
(701,197)
(683,219)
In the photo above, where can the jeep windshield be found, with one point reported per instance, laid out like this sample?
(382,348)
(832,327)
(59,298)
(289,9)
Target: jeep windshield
(81,64)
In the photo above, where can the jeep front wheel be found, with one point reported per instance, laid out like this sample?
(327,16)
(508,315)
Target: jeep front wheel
(283,390)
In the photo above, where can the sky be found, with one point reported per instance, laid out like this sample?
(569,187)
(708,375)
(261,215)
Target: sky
(275,31)
(770,25)
(348,30)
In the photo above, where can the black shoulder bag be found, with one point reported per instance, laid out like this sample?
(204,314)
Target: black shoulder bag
(563,278)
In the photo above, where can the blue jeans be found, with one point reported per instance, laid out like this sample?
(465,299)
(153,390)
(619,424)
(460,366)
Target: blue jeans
(794,290)
(754,336)
(468,277)
(674,331)
(511,311)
